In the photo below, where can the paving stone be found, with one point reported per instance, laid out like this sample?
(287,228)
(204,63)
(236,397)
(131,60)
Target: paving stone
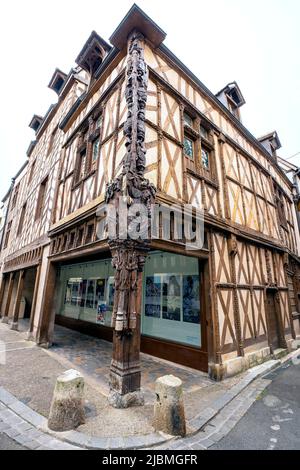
(6,397)
(19,408)
(97,442)
(12,432)
(35,418)
(58,445)
(33,445)
(24,426)
(197,447)
(4,426)
(207,443)
(45,439)
(76,437)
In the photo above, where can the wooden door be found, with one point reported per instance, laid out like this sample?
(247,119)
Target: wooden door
(273,323)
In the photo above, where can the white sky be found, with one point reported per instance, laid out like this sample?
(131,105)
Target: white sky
(256,43)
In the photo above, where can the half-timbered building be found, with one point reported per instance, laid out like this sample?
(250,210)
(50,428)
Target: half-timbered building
(222,308)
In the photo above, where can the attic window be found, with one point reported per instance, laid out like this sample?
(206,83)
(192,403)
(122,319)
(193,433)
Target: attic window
(35,122)
(57,81)
(58,84)
(92,53)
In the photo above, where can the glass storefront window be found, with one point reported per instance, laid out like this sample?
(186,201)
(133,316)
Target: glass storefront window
(171,300)
(88,292)
(171,296)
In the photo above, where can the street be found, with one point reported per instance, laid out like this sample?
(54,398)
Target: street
(272,423)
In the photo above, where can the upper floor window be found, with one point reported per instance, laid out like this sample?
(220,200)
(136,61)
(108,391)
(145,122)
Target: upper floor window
(95,149)
(188,120)
(41,199)
(88,148)
(206,147)
(21,220)
(31,171)
(51,140)
(7,235)
(279,200)
(15,195)
(189,147)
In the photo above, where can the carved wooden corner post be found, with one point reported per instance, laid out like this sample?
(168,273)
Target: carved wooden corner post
(130,193)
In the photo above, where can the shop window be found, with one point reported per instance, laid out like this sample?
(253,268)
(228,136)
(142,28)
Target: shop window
(171,296)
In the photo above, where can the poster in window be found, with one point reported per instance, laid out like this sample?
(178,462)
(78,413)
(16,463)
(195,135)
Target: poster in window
(90,293)
(171,297)
(111,291)
(191,299)
(101,313)
(75,298)
(100,292)
(68,295)
(153,296)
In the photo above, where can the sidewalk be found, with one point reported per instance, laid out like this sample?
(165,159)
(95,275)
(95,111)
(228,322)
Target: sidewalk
(30,373)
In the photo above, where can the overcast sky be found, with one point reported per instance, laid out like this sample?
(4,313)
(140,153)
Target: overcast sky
(256,43)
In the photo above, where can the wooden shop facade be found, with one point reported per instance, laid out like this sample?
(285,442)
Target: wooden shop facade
(132,120)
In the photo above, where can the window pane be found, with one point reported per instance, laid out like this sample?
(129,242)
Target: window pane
(187,119)
(188,147)
(203,132)
(205,158)
(95,149)
(171,305)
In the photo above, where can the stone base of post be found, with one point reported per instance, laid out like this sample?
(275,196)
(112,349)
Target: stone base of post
(14,326)
(4,320)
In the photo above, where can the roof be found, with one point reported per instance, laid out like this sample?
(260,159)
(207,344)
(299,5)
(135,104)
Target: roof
(136,18)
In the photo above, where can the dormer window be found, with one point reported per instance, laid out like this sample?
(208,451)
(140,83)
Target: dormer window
(271,143)
(36,122)
(232,98)
(57,81)
(92,54)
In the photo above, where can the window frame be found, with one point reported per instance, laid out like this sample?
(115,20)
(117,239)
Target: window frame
(41,199)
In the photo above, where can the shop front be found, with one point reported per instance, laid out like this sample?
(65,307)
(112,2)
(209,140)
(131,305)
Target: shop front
(173,306)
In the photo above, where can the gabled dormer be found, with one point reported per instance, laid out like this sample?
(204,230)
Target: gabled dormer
(231,97)
(36,122)
(271,143)
(92,54)
(57,81)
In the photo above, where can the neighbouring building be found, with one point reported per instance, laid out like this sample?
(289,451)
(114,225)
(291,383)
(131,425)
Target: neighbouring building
(222,308)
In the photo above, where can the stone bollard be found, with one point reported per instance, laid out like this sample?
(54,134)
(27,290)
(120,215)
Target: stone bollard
(67,407)
(169,408)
